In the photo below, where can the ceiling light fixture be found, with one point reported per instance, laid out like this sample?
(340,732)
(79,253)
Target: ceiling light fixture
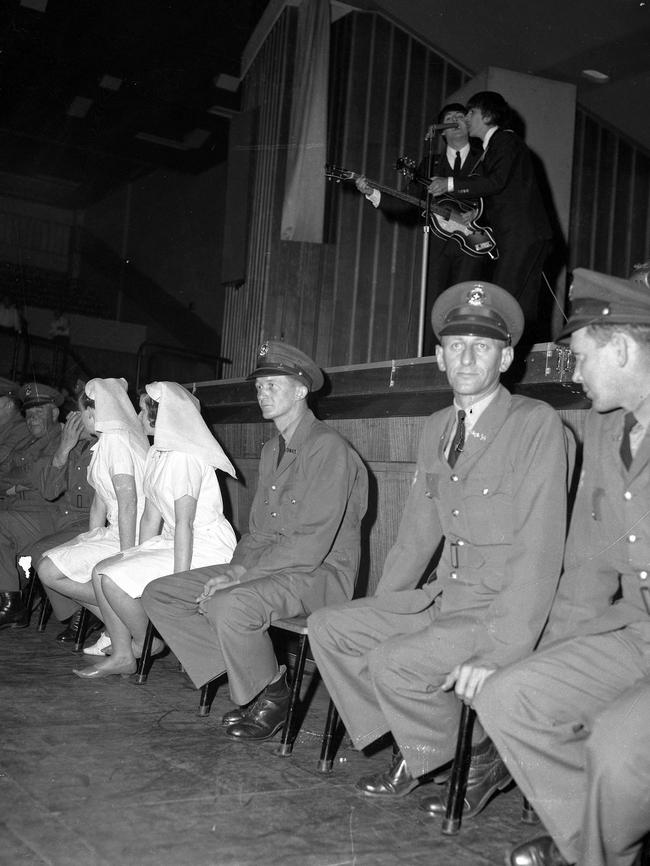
(110,82)
(79,107)
(595,76)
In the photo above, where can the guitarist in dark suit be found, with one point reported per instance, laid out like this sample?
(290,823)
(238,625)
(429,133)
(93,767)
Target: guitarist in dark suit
(448,264)
(505,179)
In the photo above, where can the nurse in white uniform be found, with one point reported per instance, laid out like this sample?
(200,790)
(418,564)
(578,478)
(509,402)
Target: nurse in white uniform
(183,525)
(116,473)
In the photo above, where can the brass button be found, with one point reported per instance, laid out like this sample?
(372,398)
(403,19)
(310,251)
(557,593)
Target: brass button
(455,512)
(627,495)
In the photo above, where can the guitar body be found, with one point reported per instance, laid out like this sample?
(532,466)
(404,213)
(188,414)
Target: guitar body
(445,218)
(450,217)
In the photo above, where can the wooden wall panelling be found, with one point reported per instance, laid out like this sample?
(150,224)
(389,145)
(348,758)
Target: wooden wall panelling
(639,220)
(620,207)
(610,219)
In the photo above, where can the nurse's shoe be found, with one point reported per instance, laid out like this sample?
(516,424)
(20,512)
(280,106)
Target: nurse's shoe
(100,647)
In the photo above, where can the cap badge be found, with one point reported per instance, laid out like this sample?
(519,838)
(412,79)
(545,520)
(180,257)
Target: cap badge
(476,296)
(28,391)
(264,349)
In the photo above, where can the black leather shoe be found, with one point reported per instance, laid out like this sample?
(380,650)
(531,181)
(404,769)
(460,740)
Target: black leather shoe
(12,610)
(538,852)
(237,714)
(69,633)
(265,716)
(394,782)
(487,775)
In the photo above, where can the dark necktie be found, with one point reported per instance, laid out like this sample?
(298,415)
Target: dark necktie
(459,439)
(281,448)
(456,168)
(625,451)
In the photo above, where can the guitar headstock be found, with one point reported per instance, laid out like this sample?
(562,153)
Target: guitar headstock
(406,166)
(333,172)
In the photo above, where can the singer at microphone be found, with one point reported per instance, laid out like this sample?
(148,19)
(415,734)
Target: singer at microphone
(438,127)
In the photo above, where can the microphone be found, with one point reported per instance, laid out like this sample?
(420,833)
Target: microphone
(436,127)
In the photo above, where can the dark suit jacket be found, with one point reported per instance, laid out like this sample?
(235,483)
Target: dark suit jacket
(440,167)
(505,179)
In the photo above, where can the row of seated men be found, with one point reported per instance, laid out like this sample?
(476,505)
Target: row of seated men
(546,635)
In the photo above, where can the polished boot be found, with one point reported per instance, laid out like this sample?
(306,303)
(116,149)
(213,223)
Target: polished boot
(487,775)
(537,852)
(12,610)
(69,633)
(394,782)
(265,716)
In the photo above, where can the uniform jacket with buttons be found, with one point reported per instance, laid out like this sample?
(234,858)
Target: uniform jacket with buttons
(22,471)
(14,436)
(306,514)
(607,560)
(502,514)
(67,486)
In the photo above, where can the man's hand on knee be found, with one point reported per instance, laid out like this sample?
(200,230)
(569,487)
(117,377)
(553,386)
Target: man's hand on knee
(231,574)
(467,679)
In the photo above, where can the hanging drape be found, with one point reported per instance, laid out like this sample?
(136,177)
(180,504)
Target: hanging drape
(304,197)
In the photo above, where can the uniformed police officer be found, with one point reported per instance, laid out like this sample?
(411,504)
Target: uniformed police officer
(14,433)
(491,482)
(63,480)
(26,514)
(572,721)
(301,551)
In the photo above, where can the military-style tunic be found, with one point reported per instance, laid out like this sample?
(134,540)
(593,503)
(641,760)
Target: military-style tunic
(14,436)
(501,512)
(302,551)
(25,514)
(571,722)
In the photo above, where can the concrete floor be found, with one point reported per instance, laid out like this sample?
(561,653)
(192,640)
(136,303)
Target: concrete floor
(110,773)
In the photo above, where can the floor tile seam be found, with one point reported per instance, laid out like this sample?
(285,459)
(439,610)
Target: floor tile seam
(55,818)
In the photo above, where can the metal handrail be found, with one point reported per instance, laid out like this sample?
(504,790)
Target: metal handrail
(217,360)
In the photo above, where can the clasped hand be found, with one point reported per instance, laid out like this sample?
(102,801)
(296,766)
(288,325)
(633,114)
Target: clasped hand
(231,574)
(467,679)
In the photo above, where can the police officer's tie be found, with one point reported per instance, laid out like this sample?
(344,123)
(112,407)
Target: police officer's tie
(625,450)
(456,168)
(459,439)
(281,448)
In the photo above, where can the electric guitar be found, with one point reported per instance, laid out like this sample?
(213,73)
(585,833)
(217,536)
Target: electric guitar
(445,213)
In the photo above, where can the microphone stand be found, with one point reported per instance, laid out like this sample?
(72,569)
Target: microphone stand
(424,266)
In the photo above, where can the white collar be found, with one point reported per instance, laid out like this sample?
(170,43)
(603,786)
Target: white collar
(488,136)
(452,151)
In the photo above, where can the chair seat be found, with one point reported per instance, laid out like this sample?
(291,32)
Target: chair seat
(295,624)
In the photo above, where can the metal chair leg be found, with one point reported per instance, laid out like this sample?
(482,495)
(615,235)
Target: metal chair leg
(46,610)
(208,692)
(286,740)
(528,813)
(459,771)
(328,746)
(29,594)
(81,630)
(144,662)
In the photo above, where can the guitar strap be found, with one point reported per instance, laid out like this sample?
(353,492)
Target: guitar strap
(477,164)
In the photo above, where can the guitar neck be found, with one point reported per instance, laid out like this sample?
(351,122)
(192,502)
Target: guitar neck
(388,190)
